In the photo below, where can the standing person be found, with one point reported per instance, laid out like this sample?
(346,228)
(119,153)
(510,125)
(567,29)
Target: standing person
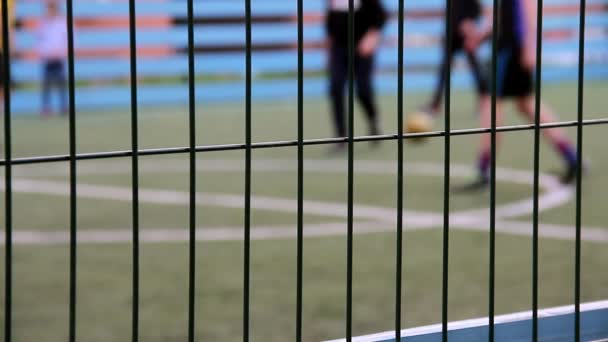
(465,14)
(516,61)
(370,17)
(52,51)
(3,54)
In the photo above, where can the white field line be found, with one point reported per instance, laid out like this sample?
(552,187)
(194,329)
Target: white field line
(211,234)
(547,230)
(481,322)
(553,196)
(203,234)
(319,208)
(476,219)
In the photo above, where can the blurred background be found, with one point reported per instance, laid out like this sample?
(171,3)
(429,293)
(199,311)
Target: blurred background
(102,53)
(103,122)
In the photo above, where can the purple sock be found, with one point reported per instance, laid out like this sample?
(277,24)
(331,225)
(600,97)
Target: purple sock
(484,163)
(567,151)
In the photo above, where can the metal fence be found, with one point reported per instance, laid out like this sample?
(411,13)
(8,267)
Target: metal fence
(192,149)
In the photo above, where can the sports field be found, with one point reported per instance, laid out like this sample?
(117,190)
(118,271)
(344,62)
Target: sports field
(41,221)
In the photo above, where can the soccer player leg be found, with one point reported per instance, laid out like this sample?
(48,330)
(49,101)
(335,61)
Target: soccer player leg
(364,68)
(485,119)
(61,80)
(446,62)
(556,136)
(46,89)
(485,147)
(433,106)
(520,86)
(481,82)
(337,81)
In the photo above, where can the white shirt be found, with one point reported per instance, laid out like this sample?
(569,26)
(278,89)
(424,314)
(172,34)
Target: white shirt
(342,5)
(52,38)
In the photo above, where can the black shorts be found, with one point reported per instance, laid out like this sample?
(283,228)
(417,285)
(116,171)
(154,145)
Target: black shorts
(512,78)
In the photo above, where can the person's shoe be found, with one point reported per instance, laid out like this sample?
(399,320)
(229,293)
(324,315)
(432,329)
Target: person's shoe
(569,176)
(480,183)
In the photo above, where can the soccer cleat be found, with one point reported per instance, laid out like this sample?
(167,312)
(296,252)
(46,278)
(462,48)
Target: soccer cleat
(480,183)
(572,171)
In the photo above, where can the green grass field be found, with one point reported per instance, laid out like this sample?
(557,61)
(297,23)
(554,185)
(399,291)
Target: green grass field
(41,207)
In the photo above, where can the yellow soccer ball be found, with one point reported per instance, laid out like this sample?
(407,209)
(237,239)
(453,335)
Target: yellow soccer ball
(418,122)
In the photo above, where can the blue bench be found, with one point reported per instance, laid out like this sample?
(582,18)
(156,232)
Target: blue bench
(419,60)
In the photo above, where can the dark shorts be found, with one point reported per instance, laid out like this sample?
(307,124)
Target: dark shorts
(513,79)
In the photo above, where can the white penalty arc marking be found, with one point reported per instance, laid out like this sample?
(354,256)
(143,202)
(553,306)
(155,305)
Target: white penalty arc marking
(554,195)
(274,204)
(203,234)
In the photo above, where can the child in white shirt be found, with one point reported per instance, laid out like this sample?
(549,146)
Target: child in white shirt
(52,51)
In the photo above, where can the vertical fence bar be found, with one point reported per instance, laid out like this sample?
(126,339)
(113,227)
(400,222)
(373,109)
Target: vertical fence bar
(192,172)
(72,143)
(8,180)
(492,242)
(537,104)
(350,195)
(135,169)
(579,148)
(399,248)
(446,176)
(300,219)
(246,252)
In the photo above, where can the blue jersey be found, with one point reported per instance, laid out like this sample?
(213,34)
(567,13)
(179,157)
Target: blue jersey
(511,23)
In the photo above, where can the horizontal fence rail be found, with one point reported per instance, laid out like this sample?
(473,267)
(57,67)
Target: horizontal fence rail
(288,143)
